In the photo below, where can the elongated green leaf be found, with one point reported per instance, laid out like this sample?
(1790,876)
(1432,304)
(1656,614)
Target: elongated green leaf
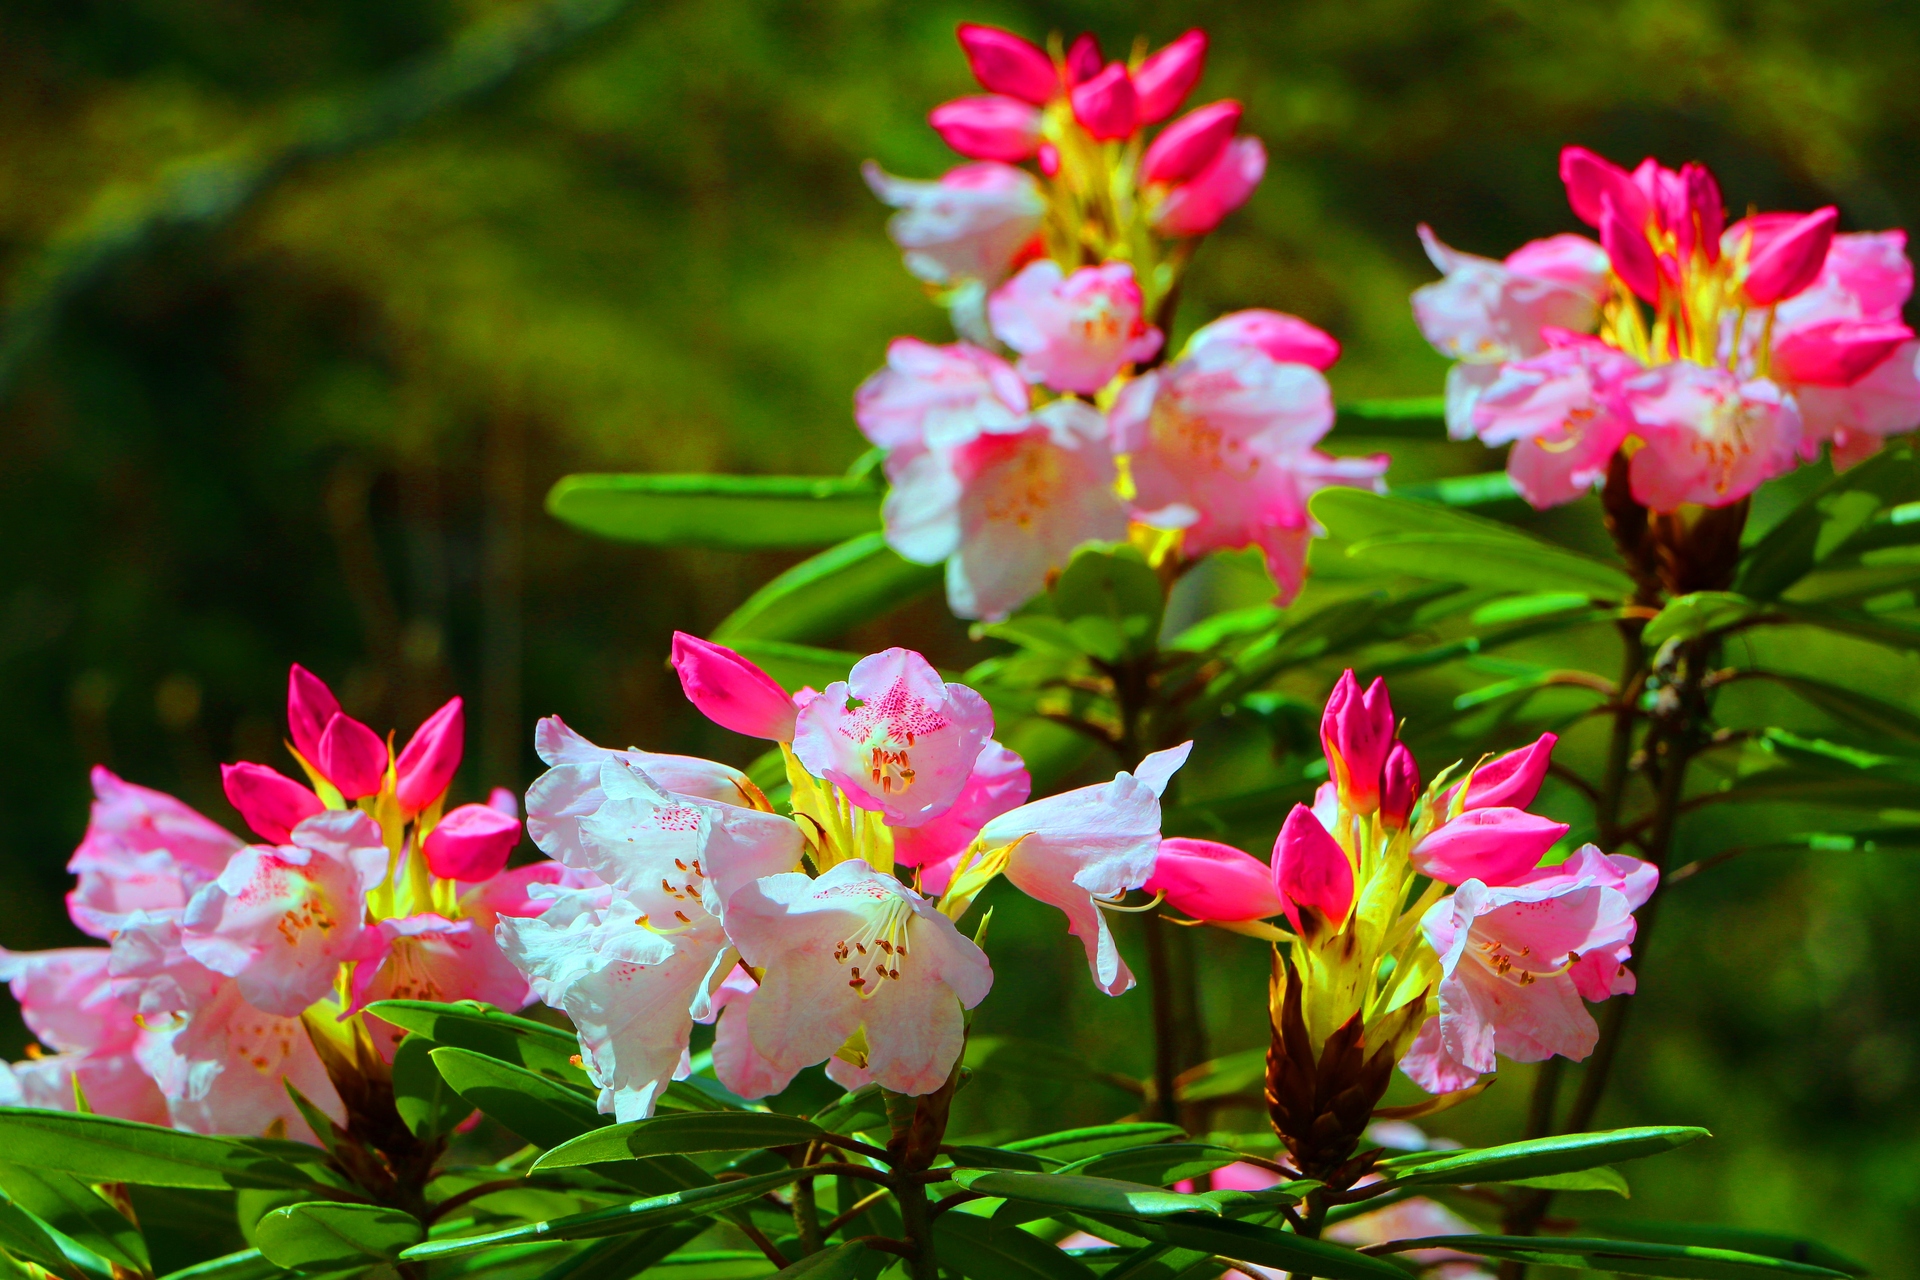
(513,1262)
(1110,601)
(738,512)
(104,1149)
(245,1264)
(1687,617)
(841,1262)
(323,1235)
(1414,418)
(75,1209)
(621,1257)
(1625,1257)
(1825,521)
(1157,1165)
(25,1236)
(544,1113)
(1473,560)
(1537,1157)
(973,1247)
(850,1112)
(1262,1246)
(1768,1244)
(679,1133)
(1081,1194)
(1164,1262)
(467,1024)
(1859,710)
(970,1157)
(641,1215)
(700,1093)
(1480,490)
(821,597)
(1601,1178)
(1077,1144)
(428,1105)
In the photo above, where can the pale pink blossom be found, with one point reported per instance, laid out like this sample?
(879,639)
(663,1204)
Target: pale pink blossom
(857,949)
(740,1066)
(998,783)
(894,737)
(1212,881)
(1563,411)
(1004,510)
(1416,1219)
(280,919)
(1486,312)
(143,851)
(969,225)
(1857,418)
(1707,436)
(1074,333)
(1079,848)
(1281,337)
(1202,203)
(939,397)
(114,1084)
(429,957)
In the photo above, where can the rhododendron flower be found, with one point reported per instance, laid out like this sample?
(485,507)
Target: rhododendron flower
(1220,442)
(998,783)
(971,224)
(1004,63)
(1083,847)
(1495,844)
(855,950)
(894,737)
(1357,732)
(1514,966)
(1166,76)
(143,851)
(731,691)
(939,397)
(1212,881)
(1202,203)
(280,920)
(425,767)
(471,843)
(1076,332)
(1758,336)
(1190,144)
(271,803)
(70,1003)
(1005,509)
(989,127)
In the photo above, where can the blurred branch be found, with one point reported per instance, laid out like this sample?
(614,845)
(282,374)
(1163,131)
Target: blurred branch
(207,192)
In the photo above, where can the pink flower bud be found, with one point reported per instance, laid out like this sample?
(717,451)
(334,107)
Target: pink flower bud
(352,757)
(1629,251)
(431,757)
(1197,207)
(1190,143)
(1836,353)
(1166,76)
(1494,846)
(1356,730)
(472,843)
(270,802)
(1311,872)
(1083,59)
(1282,338)
(1004,63)
(1512,780)
(1399,787)
(504,801)
(1708,212)
(310,704)
(1049,159)
(1589,178)
(1211,881)
(731,691)
(988,128)
(1105,105)
(1787,262)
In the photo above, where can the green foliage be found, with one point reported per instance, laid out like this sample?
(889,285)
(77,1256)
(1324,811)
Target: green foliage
(1535,1158)
(531,1105)
(821,597)
(1692,1262)
(428,1105)
(330,1237)
(105,1149)
(736,512)
(678,1134)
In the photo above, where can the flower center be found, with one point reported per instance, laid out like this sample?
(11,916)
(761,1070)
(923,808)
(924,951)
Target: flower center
(886,728)
(873,953)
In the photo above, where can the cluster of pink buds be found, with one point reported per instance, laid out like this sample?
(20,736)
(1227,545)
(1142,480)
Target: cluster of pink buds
(1061,420)
(1707,358)
(227,960)
(1381,957)
(826,933)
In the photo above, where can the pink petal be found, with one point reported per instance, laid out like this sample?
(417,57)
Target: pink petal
(1211,881)
(732,691)
(1514,779)
(1105,105)
(270,803)
(1311,870)
(352,757)
(1790,260)
(1198,206)
(1357,731)
(310,706)
(1166,76)
(431,757)
(1004,63)
(1190,144)
(1492,845)
(473,842)
(988,128)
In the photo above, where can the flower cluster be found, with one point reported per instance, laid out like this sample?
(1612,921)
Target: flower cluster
(810,935)
(1059,420)
(228,961)
(1383,964)
(1707,357)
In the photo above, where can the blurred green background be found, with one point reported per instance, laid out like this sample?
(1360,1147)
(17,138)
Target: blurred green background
(308,304)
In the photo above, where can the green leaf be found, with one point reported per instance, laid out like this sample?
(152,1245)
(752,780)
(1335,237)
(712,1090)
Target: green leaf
(1079,1194)
(1690,616)
(1413,418)
(27,1237)
(544,1113)
(640,1215)
(77,1211)
(621,1257)
(1600,1178)
(245,1264)
(975,1248)
(745,513)
(1263,1246)
(821,597)
(679,1133)
(428,1105)
(1482,490)
(324,1235)
(841,1262)
(1824,522)
(971,1157)
(1111,602)
(1851,707)
(104,1149)
(1537,1157)
(1077,1144)
(1164,1262)
(1625,1257)
(549,1051)
(1158,1165)
(863,1108)
(1768,1244)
